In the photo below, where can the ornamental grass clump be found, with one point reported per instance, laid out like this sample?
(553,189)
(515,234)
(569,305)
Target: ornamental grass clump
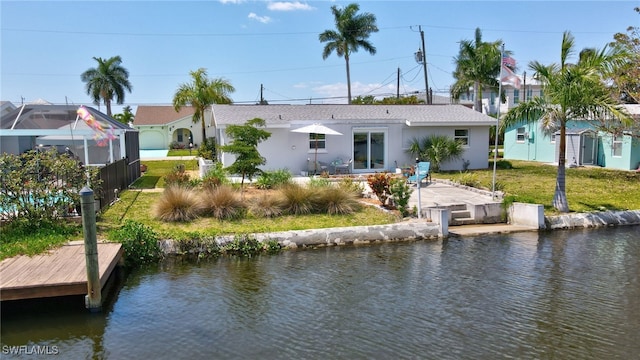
(223,203)
(298,200)
(177,204)
(338,201)
(267,206)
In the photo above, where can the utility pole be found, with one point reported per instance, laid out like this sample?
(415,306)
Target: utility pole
(421,57)
(398,86)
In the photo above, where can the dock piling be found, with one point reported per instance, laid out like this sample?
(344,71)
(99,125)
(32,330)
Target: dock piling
(93,299)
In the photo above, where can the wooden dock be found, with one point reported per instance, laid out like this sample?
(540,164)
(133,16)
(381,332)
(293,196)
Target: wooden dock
(60,272)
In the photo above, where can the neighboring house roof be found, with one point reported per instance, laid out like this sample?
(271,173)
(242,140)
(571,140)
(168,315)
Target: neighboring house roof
(6,107)
(50,117)
(412,115)
(159,115)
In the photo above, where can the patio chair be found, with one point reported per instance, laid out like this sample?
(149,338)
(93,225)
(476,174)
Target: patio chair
(339,166)
(422,172)
(316,168)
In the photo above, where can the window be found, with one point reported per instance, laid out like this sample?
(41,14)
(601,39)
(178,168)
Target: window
(461,135)
(179,133)
(493,98)
(529,93)
(317,139)
(521,134)
(617,145)
(516,96)
(553,138)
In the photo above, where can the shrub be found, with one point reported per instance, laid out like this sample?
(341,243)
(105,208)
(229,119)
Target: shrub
(267,205)
(216,176)
(140,243)
(400,194)
(207,149)
(273,179)
(469,179)
(379,184)
(298,200)
(243,245)
(177,176)
(177,203)
(222,203)
(41,186)
(319,182)
(176,145)
(336,200)
(349,184)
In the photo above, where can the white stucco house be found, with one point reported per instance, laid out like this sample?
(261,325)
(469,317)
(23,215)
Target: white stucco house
(374,137)
(160,126)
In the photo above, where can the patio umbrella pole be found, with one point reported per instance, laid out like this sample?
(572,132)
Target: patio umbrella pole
(315,160)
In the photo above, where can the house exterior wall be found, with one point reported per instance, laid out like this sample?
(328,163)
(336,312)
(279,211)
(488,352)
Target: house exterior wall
(159,137)
(293,151)
(477,153)
(539,147)
(629,159)
(535,147)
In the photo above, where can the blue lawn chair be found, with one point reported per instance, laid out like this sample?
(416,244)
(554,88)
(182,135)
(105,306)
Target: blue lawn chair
(421,173)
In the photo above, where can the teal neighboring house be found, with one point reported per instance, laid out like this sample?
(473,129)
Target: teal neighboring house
(585,146)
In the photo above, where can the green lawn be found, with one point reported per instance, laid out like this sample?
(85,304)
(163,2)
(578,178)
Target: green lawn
(182,152)
(136,205)
(588,188)
(156,170)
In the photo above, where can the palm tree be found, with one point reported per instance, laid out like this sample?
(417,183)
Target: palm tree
(437,149)
(107,80)
(126,117)
(201,94)
(352,32)
(477,65)
(570,91)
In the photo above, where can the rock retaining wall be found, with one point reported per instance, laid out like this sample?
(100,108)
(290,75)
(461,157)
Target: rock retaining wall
(594,219)
(404,231)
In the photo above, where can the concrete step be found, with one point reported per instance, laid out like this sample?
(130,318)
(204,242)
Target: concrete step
(462,221)
(458,214)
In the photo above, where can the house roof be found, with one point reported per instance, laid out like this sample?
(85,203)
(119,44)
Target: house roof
(160,115)
(412,115)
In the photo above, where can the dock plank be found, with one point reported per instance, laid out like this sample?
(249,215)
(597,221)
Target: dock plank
(59,273)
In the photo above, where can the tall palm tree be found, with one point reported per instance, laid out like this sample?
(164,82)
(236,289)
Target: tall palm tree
(201,93)
(107,80)
(352,32)
(477,65)
(570,92)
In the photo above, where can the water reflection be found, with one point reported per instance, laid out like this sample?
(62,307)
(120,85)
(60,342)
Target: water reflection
(561,294)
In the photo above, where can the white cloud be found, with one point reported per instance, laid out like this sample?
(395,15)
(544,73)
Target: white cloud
(262,19)
(288,6)
(231,1)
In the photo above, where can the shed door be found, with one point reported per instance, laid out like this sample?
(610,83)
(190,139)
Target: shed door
(588,148)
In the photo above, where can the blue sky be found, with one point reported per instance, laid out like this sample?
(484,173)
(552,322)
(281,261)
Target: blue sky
(45,46)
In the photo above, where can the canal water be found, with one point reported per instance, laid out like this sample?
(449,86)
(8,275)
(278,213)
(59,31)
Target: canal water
(550,295)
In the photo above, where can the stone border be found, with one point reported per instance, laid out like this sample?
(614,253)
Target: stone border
(593,219)
(410,230)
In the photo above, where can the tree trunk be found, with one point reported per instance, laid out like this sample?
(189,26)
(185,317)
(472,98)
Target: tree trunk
(346,58)
(477,89)
(560,195)
(204,129)
(108,103)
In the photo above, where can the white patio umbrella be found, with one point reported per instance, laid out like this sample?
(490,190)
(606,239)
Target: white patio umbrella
(316,129)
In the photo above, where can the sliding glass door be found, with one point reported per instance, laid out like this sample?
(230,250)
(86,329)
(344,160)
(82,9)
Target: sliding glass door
(369,149)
